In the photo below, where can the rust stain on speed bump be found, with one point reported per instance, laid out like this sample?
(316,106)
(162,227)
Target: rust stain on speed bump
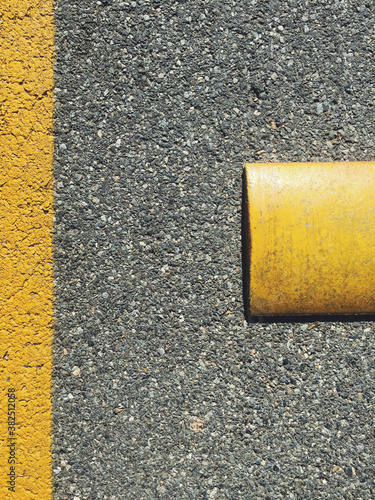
(310,238)
(26,216)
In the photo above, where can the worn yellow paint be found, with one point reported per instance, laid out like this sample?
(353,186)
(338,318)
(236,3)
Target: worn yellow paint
(26,216)
(310,230)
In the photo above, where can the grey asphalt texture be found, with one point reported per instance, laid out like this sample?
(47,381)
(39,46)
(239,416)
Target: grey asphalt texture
(162,390)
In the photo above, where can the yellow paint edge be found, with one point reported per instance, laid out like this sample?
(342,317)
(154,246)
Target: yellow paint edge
(246,242)
(26,218)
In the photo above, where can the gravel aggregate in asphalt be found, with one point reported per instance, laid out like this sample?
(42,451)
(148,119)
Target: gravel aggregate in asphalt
(161,389)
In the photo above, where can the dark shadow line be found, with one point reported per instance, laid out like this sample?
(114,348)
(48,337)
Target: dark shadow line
(333,318)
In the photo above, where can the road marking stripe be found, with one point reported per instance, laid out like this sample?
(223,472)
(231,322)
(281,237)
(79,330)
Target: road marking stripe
(26,217)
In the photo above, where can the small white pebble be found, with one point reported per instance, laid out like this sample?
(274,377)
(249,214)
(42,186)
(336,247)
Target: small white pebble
(213,493)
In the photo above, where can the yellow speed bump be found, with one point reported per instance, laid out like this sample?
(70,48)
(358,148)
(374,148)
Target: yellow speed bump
(309,238)
(26,216)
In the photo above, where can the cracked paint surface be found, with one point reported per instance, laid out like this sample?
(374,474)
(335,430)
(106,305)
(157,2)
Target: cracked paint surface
(26,217)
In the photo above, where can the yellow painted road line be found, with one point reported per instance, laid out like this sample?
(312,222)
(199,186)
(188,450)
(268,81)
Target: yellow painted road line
(310,233)
(26,216)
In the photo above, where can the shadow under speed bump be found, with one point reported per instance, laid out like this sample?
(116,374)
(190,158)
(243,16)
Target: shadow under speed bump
(309,239)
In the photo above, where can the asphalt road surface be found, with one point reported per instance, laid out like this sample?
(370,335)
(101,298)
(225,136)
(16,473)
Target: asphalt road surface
(161,389)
